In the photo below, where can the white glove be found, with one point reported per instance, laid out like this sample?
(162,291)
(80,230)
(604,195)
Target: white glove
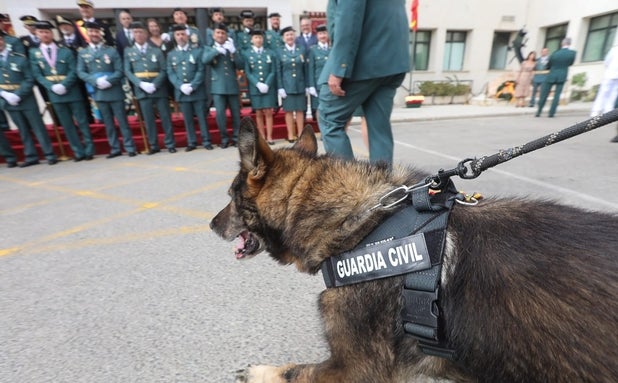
(282,93)
(221,49)
(263,88)
(313,92)
(59,89)
(11,98)
(147,87)
(229,45)
(165,37)
(102,83)
(186,89)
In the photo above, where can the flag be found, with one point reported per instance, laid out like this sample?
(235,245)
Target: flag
(414,17)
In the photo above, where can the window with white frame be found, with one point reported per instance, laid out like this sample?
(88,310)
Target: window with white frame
(454,50)
(600,37)
(421,53)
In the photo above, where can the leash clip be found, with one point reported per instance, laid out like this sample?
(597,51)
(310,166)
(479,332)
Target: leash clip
(403,190)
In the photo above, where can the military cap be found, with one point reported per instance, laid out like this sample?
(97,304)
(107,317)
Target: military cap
(216,10)
(43,24)
(287,29)
(221,26)
(92,25)
(61,20)
(137,25)
(28,20)
(178,27)
(254,32)
(247,14)
(85,3)
(4,17)
(274,14)
(321,28)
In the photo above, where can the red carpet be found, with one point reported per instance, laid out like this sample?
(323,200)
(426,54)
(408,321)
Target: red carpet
(102,147)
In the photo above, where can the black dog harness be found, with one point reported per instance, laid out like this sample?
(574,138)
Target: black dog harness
(409,242)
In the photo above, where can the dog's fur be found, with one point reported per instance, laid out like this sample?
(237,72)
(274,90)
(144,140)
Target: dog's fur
(529,288)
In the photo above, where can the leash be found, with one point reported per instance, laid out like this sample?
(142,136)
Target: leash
(471,168)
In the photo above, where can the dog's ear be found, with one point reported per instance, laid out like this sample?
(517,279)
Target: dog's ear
(307,141)
(255,154)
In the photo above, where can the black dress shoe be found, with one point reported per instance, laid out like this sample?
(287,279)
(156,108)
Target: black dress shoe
(132,154)
(172,150)
(52,161)
(208,147)
(153,151)
(77,159)
(89,158)
(29,163)
(224,146)
(190,148)
(113,155)
(11,164)
(232,143)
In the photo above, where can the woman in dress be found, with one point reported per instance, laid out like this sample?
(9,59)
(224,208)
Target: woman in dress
(524,80)
(156,39)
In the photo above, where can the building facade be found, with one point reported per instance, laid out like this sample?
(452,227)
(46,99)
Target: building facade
(466,41)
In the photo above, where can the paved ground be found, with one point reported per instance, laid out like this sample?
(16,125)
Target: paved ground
(109,272)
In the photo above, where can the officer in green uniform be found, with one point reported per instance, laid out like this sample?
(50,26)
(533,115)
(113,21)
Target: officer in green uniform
(100,67)
(224,60)
(260,68)
(17,98)
(272,36)
(54,68)
(292,83)
(318,54)
(559,63)
(185,70)
(243,37)
(145,68)
(13,44)
(367,63)
(217,17)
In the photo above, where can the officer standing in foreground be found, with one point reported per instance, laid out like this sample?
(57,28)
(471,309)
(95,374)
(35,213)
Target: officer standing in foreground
(185,70)
(17,98)
(224,60)
(54,68)
(100,67)
(145,67)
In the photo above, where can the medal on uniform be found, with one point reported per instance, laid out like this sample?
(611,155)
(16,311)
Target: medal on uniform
(14,67)
(54,71)
(301,58)
(154,58)
(9,47)
(191,59)
(194,38)
(268,61)
(38,54)
(106,59)
(41,64)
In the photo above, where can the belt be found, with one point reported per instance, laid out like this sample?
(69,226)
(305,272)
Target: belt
(55,78)
(9,86)
(146,74)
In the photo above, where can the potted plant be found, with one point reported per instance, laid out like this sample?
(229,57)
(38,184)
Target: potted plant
(414,100)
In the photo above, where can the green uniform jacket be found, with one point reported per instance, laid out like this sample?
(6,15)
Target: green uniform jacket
(186,67)
(106,61)
(14,44)
(316,60)
(195,41)
(16,77)
(559,63)
(223,70)
(260,68)
(231,33)
(65,73)
(291,70)
(370,39)
(243,40)
(273,40)
(148,67)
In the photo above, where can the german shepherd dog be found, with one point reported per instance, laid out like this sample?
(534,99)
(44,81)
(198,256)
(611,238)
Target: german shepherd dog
(529,289)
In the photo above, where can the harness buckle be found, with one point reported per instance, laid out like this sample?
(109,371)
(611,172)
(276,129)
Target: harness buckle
(421,308)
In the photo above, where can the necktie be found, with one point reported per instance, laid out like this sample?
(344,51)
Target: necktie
(69,41)
(48,51)
(143,50)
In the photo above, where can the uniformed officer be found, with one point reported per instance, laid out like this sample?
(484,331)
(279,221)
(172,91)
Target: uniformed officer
(243,37)
(292,83)
(224,60)
(145,67)
(12,43)
(17,98)
(260,68)
(217,17)
(86,10)
(100,67)
(318,54)
(54,68)
(273,40)
(68,35)
(29,40)
(180,18)
(185,70)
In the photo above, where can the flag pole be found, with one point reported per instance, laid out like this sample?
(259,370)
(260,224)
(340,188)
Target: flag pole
(413,66)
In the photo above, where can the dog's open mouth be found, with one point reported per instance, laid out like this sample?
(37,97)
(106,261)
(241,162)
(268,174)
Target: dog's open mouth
(248,245)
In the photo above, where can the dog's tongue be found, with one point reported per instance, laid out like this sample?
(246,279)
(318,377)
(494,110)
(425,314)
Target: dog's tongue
(239,249)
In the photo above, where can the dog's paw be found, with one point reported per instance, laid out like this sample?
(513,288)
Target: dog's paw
(260,374)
